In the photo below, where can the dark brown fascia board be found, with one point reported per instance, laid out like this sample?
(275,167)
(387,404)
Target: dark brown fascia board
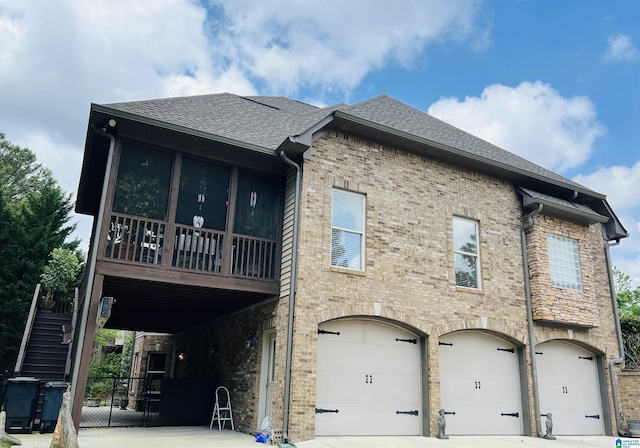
(464,154)
(97,108)
(590,217)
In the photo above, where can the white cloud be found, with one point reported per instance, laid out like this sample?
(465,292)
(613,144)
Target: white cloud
(532,120)
(620,48)
(58,56)
(333,44)
(621,185)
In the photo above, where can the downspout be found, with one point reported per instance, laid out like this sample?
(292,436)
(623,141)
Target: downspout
(292,297)
(527,292)
(92,260)
(620,360)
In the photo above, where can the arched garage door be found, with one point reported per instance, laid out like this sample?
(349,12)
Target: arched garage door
(368,379)
(480,383)
(569,388)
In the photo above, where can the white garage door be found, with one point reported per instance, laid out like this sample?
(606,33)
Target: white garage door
(569,388)
(368,380)
(480,384)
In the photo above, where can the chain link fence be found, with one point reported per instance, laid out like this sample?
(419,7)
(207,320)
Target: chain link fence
(112,401)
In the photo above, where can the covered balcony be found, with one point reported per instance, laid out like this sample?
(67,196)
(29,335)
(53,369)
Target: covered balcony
(186,239)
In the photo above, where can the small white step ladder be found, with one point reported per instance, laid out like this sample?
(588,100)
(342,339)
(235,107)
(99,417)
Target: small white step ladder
(222,409)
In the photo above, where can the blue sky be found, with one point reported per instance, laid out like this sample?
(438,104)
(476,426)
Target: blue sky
(556,82)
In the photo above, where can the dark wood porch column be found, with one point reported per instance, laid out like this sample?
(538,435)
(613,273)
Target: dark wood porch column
(87,348)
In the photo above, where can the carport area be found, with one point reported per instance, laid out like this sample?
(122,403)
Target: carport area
(202,436)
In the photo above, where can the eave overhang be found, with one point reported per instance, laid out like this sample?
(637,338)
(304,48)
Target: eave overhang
(560,208)
(157,131)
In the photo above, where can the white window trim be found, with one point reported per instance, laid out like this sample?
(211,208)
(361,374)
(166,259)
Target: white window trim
(356,232)
(476,254)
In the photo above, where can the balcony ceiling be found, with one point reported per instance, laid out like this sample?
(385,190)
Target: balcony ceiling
(170,308)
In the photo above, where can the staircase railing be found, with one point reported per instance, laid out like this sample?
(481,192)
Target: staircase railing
(76,299)
(27,330)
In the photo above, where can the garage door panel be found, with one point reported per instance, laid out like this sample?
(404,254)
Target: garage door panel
(480,380)
(569,388)
(374,420)
(482,421)
(396,390)
(350,390)
(574,422)
(367,375)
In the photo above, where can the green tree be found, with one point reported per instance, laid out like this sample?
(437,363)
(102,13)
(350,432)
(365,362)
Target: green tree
(629,311)
(19,172)
(11,303)
(109,367)
(61,272)
(34,220)
(628,298)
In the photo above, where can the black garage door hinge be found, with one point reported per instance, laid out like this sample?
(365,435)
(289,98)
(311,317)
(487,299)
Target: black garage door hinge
(410,341)
(510,350)
(325,411)
(407,412)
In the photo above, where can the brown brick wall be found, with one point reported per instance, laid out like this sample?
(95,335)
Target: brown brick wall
(629,394)
(409,275)
(233,348)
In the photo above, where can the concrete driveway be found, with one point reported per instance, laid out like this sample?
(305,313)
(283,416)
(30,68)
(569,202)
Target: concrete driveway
(201,437)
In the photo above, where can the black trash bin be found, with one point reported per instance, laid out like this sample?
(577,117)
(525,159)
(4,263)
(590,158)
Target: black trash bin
(51,404)
(20,399)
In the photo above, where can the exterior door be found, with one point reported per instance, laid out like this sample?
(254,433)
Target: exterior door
(480,384)
(267,376)
(368,380)
(569,388)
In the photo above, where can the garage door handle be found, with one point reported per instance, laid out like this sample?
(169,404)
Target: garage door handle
(597,417)
(407,412)
(410,341)
(510,414)
(325,411)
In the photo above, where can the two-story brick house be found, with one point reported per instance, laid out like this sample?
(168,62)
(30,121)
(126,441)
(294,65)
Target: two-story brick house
(352,270)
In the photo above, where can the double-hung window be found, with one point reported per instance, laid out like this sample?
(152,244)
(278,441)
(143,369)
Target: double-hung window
(564,262)
(466,253)
(347,229)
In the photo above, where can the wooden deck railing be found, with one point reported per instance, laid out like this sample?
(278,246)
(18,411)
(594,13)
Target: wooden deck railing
(136,240)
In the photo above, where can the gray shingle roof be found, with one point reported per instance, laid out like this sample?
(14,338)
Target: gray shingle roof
(395,114)
(268,121)
(260,121)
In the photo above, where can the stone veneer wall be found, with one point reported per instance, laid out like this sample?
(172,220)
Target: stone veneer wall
(228,352)
(561,305)
(143,344)
(409,275)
